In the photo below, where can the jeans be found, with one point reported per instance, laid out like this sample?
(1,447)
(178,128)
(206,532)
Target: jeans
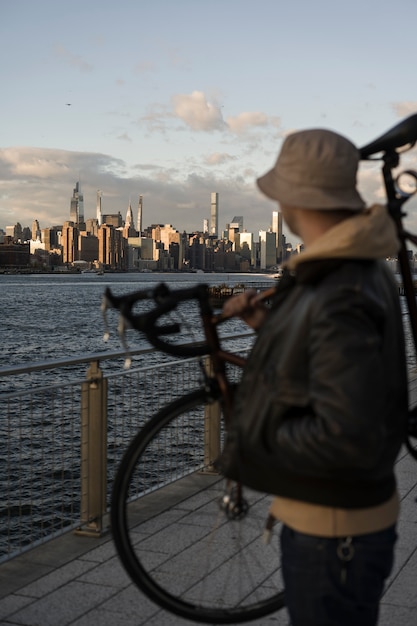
(334,581)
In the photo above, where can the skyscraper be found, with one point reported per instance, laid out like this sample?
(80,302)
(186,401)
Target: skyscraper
(69,242)
(214,214)
(277,229)
(267,245)
(77,205)
(139,222)
(129,227)
(36,232)
(237,222)
(98,211)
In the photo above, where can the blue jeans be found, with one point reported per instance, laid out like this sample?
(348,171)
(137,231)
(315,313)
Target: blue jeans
(337,582)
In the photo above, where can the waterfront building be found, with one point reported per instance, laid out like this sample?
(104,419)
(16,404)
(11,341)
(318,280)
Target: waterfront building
(12,254)
(112,248)
(87,247)
(69,242)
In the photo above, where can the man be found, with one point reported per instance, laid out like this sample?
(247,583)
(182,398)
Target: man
(324,392)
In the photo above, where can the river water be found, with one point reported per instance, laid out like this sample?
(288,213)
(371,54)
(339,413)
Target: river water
(47,316)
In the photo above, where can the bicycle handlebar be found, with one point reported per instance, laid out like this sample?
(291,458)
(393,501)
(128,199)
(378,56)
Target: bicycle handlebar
(165,301)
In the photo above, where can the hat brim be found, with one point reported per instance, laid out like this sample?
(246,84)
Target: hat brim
(308,196)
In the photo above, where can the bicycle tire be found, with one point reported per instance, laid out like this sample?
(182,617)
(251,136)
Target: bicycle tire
(160,536)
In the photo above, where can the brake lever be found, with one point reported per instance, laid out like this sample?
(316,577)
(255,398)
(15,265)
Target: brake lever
(105,305)
(122,325)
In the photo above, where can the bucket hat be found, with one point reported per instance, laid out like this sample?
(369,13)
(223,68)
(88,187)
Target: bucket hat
(316,169)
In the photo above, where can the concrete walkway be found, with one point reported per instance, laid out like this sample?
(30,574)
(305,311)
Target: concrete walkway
(78,580)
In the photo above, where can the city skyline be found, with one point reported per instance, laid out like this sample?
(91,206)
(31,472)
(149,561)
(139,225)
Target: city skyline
(173,108)
(211,224)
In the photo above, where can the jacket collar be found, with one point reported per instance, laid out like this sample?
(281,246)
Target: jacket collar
(370,234)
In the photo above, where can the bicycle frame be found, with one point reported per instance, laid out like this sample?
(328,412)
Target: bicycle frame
(166,301)
(400,138)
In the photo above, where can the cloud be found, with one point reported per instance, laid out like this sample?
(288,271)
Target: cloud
(218,158)
(31,163)
(404,109)
(199,114)
(38,184)
(248,120)
(196,112)
(244,121)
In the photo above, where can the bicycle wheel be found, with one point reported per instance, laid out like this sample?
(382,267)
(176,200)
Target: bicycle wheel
(181,542)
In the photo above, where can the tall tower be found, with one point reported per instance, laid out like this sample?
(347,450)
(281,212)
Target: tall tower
(129,227)
(77,205)
(36,232)
(99,214)
(277,229)
(139,222)
(214,214)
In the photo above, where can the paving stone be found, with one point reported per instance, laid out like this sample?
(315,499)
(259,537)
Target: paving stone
(62,606)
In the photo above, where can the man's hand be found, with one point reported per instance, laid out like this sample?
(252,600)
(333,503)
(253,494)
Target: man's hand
(247,306)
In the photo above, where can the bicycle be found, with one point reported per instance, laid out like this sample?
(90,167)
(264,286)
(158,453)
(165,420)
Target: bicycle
(227,510)
(228,519)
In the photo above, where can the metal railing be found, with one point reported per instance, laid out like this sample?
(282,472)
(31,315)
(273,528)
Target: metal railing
(64,431)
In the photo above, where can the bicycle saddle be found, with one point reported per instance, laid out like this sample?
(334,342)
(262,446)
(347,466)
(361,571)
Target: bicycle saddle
(403,134)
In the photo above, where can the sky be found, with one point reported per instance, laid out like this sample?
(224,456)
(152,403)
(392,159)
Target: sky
(176,99)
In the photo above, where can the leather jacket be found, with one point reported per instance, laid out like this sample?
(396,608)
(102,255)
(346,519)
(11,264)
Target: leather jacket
(320,413)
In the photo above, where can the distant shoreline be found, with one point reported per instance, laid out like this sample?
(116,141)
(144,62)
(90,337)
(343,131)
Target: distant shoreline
(78,271)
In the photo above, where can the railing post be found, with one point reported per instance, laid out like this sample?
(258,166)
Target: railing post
(212,421)
(93,452)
